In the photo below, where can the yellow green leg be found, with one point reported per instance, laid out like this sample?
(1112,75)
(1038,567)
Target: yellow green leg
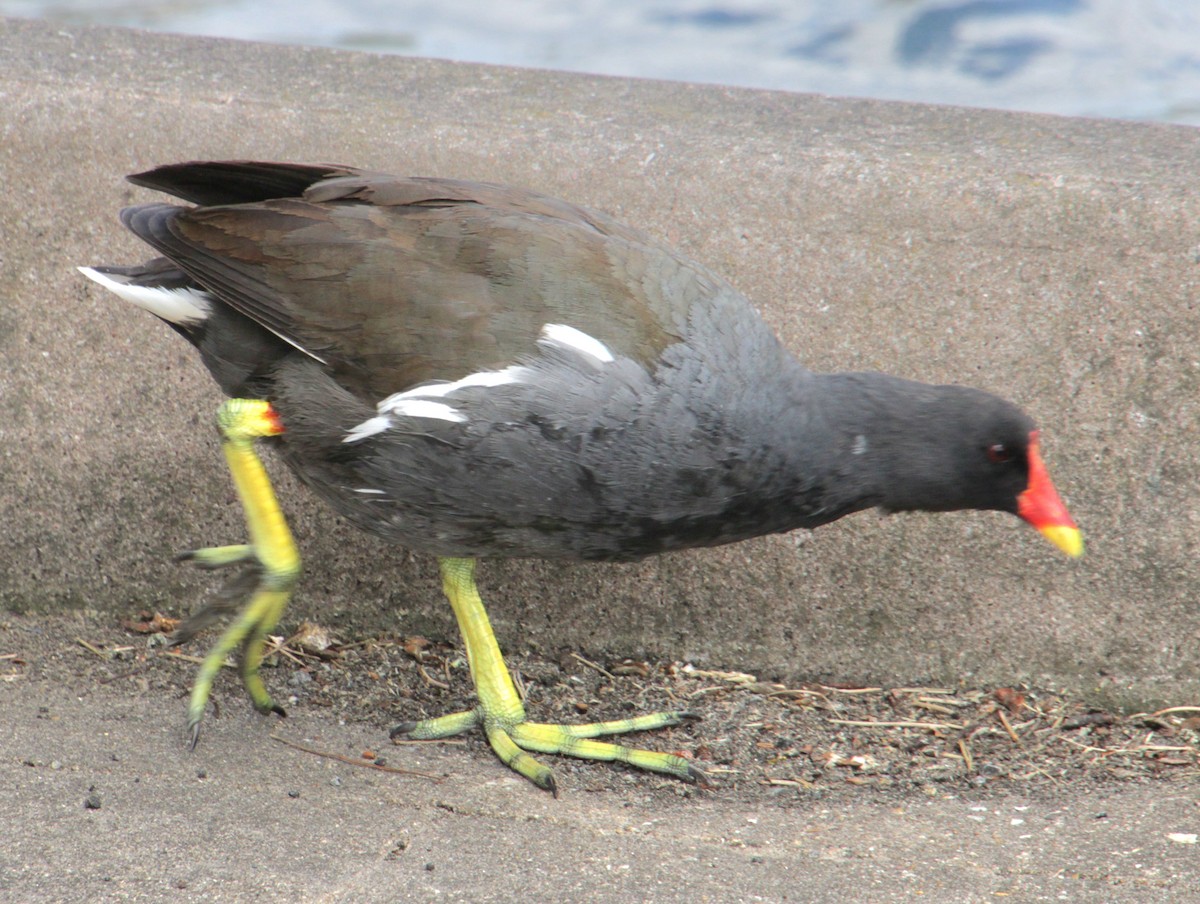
(270,561)
(502,715)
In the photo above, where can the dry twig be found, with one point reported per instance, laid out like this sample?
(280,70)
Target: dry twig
(592,665)
(354,761)
(931,726)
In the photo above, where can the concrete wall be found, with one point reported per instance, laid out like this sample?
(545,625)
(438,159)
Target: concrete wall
(1051,260)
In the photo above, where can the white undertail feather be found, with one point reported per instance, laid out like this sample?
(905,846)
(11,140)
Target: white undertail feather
(182,306)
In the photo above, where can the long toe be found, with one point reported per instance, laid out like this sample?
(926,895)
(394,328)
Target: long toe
(564,740)
(511,738)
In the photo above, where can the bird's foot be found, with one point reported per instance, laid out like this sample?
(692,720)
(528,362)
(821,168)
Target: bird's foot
(510,739)
(258,597)
(269,566)
(501,714)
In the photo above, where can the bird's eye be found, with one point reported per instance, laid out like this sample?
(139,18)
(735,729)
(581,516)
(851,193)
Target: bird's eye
(998,453)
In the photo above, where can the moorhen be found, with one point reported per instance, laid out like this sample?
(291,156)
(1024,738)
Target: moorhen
(470,369)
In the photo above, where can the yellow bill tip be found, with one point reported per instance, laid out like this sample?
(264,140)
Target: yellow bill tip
(1067,538)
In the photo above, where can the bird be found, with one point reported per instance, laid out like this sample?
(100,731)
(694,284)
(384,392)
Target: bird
(473,370)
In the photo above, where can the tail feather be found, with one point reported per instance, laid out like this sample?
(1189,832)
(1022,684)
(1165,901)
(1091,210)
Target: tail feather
(235,181)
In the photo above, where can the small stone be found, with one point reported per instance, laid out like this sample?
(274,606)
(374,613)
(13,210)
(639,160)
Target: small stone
(92,801)
(293,794)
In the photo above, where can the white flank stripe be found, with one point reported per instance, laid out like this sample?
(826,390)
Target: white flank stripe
(367,491)
(485,378)
(568,337)
(367,428)
(182,306)
(423,408)
(397,407)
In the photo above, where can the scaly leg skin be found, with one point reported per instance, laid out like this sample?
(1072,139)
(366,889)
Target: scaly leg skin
(502,715)
(270,563)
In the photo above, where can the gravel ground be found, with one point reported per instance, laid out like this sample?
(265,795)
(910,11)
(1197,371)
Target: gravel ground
(756,740)
(956,795)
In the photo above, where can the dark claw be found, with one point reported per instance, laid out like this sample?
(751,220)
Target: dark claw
(193,735)
(270,706)
(698,777)
(689,718)
(401,730)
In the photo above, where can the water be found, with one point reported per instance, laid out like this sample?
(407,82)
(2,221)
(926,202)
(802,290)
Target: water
(1135,59)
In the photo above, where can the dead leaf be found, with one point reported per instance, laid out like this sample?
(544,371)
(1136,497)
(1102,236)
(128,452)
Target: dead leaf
(630,667)
(1088,720)
(1011,699)
(311,638)
(151,623)
(416,646)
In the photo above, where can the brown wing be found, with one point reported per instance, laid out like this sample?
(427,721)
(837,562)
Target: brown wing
(394,281)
